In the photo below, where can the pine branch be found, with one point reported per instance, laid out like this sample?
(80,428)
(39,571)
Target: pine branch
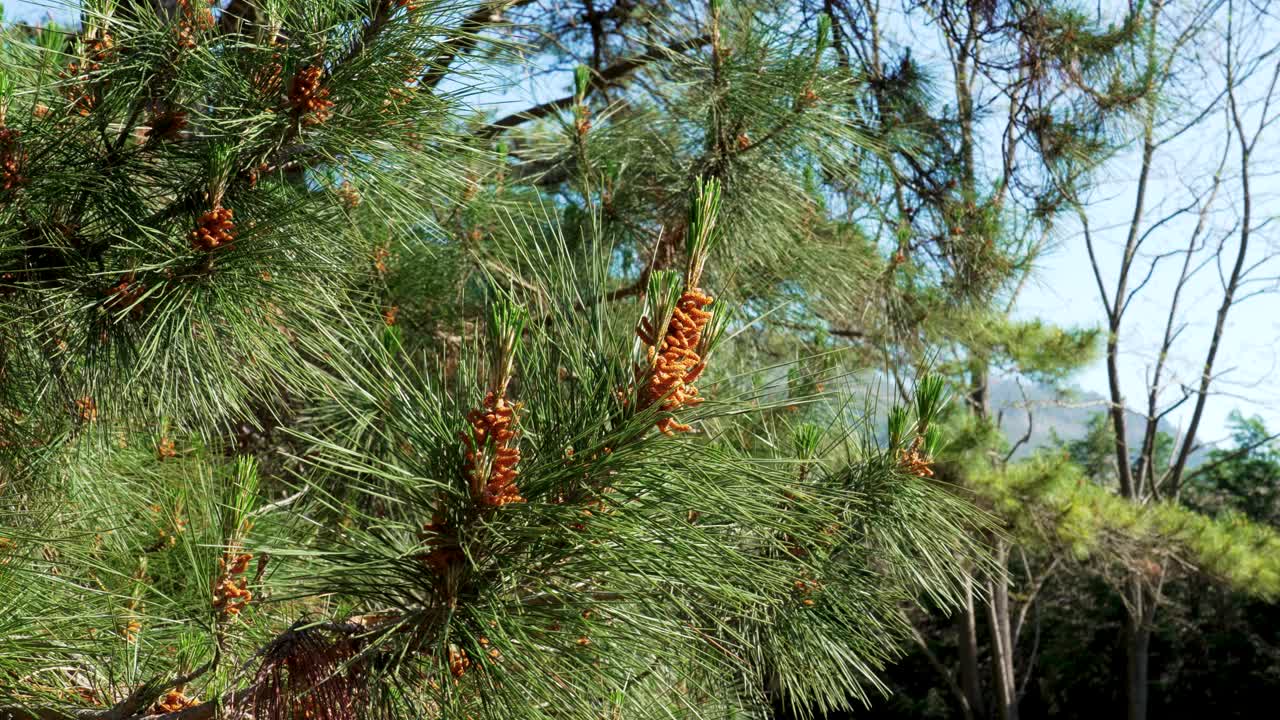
(135,705)
(381,16)
(608,77)
(466,37)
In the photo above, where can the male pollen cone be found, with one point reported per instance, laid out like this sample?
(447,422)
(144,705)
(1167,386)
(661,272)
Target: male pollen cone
(675,361)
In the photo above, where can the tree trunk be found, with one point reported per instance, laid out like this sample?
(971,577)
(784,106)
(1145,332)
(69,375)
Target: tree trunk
(979,387)
(1002,670)
(1139,640)
(1137,649)
(967,627)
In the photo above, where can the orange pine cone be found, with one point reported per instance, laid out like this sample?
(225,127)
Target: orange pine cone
(190,23)
(458,661)
(308,98)
(914,461)
(349,196)
(493,423)
(126,294)
(173,701)
(214,229)
(87,409)
(676,363)
(230,590)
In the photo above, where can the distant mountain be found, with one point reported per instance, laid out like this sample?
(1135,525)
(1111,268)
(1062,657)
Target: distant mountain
(1066,415)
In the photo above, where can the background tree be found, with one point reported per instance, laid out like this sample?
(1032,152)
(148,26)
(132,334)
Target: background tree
(1174,39)
(1241,478)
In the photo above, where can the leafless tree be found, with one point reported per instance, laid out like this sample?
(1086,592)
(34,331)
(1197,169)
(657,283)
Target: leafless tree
(1212,222)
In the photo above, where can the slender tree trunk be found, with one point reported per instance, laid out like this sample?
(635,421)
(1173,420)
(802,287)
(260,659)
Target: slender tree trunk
(1138,645)
(1229,292)
(1003,677)
(967,627)
(1124,470)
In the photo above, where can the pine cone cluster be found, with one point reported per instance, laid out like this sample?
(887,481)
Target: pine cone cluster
(493,423)
(458,661)
(308,98)
(380,258)
(126,294)
(214,230)
(12,158)
(349,196)
(82,100)
(87,409)
(230,591)
(97,47)
(914,461)
(172,702)
(191,23)
(675,361)
(803,588)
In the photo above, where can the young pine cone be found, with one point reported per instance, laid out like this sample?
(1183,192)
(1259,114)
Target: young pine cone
(308,98)
(214,230)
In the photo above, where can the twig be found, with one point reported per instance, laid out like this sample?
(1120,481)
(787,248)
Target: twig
(281,503)
(605,78)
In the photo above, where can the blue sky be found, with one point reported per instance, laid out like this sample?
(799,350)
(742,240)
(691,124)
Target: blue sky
(1063,290)
(28,11)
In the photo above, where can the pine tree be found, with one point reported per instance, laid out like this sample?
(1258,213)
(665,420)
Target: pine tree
(312,410)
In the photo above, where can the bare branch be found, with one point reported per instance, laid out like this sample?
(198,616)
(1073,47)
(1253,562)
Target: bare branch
(608,77)
(1036,585)
(466,37)
(1228,295)
(1026,404)
(946,674)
